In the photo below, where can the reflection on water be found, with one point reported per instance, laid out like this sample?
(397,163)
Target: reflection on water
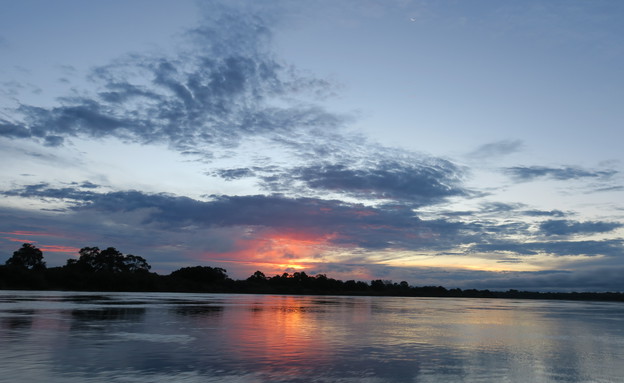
(132,337)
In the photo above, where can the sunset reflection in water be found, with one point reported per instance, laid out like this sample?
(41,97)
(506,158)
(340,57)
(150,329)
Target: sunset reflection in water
(262,338)
(279,335)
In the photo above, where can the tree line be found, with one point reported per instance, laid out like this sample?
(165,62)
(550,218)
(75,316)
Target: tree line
(111,270)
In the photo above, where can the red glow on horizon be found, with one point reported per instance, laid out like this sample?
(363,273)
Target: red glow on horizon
(59,249)
(275,252)
(20,240)
(43,247)
(29,233)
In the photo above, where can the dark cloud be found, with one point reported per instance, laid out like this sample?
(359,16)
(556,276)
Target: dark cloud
(510,229)
(610,247)
(154,225)
(352,224)
(349,224)
(234,174)
(607,189)
(44,193)
(222,86)
(421,183)
(89,185)
(544,213)
(500,207)
(496,149)
(382,227)
(13,130)
(529,173)
(567,227)
(458,213)
(53,140)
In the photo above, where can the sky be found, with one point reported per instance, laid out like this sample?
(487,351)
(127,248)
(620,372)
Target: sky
(470,144)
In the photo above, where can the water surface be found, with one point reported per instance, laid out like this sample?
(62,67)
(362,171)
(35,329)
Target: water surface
(166,337)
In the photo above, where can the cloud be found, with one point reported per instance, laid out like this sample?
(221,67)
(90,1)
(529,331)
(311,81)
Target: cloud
(609,247)
(221,86)
(224,86)
(13,130)
(544,213)
(530,173)
(424,182)
(606,189)
(89,185)
(349,224)
(234,173)
(500,207)
(42,191)
(242,233)
(497,149)
(566,227)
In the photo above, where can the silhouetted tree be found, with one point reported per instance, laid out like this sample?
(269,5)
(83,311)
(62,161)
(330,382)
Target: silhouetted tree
(110,260)
(27,257)
(299,276)
(136,264)
(258,276)
(201,274)
(350,285)
(378,285)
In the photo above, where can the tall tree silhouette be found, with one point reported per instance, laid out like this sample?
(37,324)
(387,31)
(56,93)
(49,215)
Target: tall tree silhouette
(27,257)
(110,260)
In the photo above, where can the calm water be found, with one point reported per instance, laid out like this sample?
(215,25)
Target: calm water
(154,337)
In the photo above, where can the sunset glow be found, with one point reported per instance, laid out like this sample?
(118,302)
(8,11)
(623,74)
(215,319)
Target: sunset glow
(463,144)
(275,253)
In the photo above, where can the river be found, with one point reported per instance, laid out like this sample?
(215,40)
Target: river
(169,337)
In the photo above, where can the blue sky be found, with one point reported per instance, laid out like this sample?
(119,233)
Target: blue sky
(464,144)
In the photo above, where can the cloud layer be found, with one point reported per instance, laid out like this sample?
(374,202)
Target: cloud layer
(529,173)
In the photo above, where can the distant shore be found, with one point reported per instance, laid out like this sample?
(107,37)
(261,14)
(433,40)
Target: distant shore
(111,270)
(204,279)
